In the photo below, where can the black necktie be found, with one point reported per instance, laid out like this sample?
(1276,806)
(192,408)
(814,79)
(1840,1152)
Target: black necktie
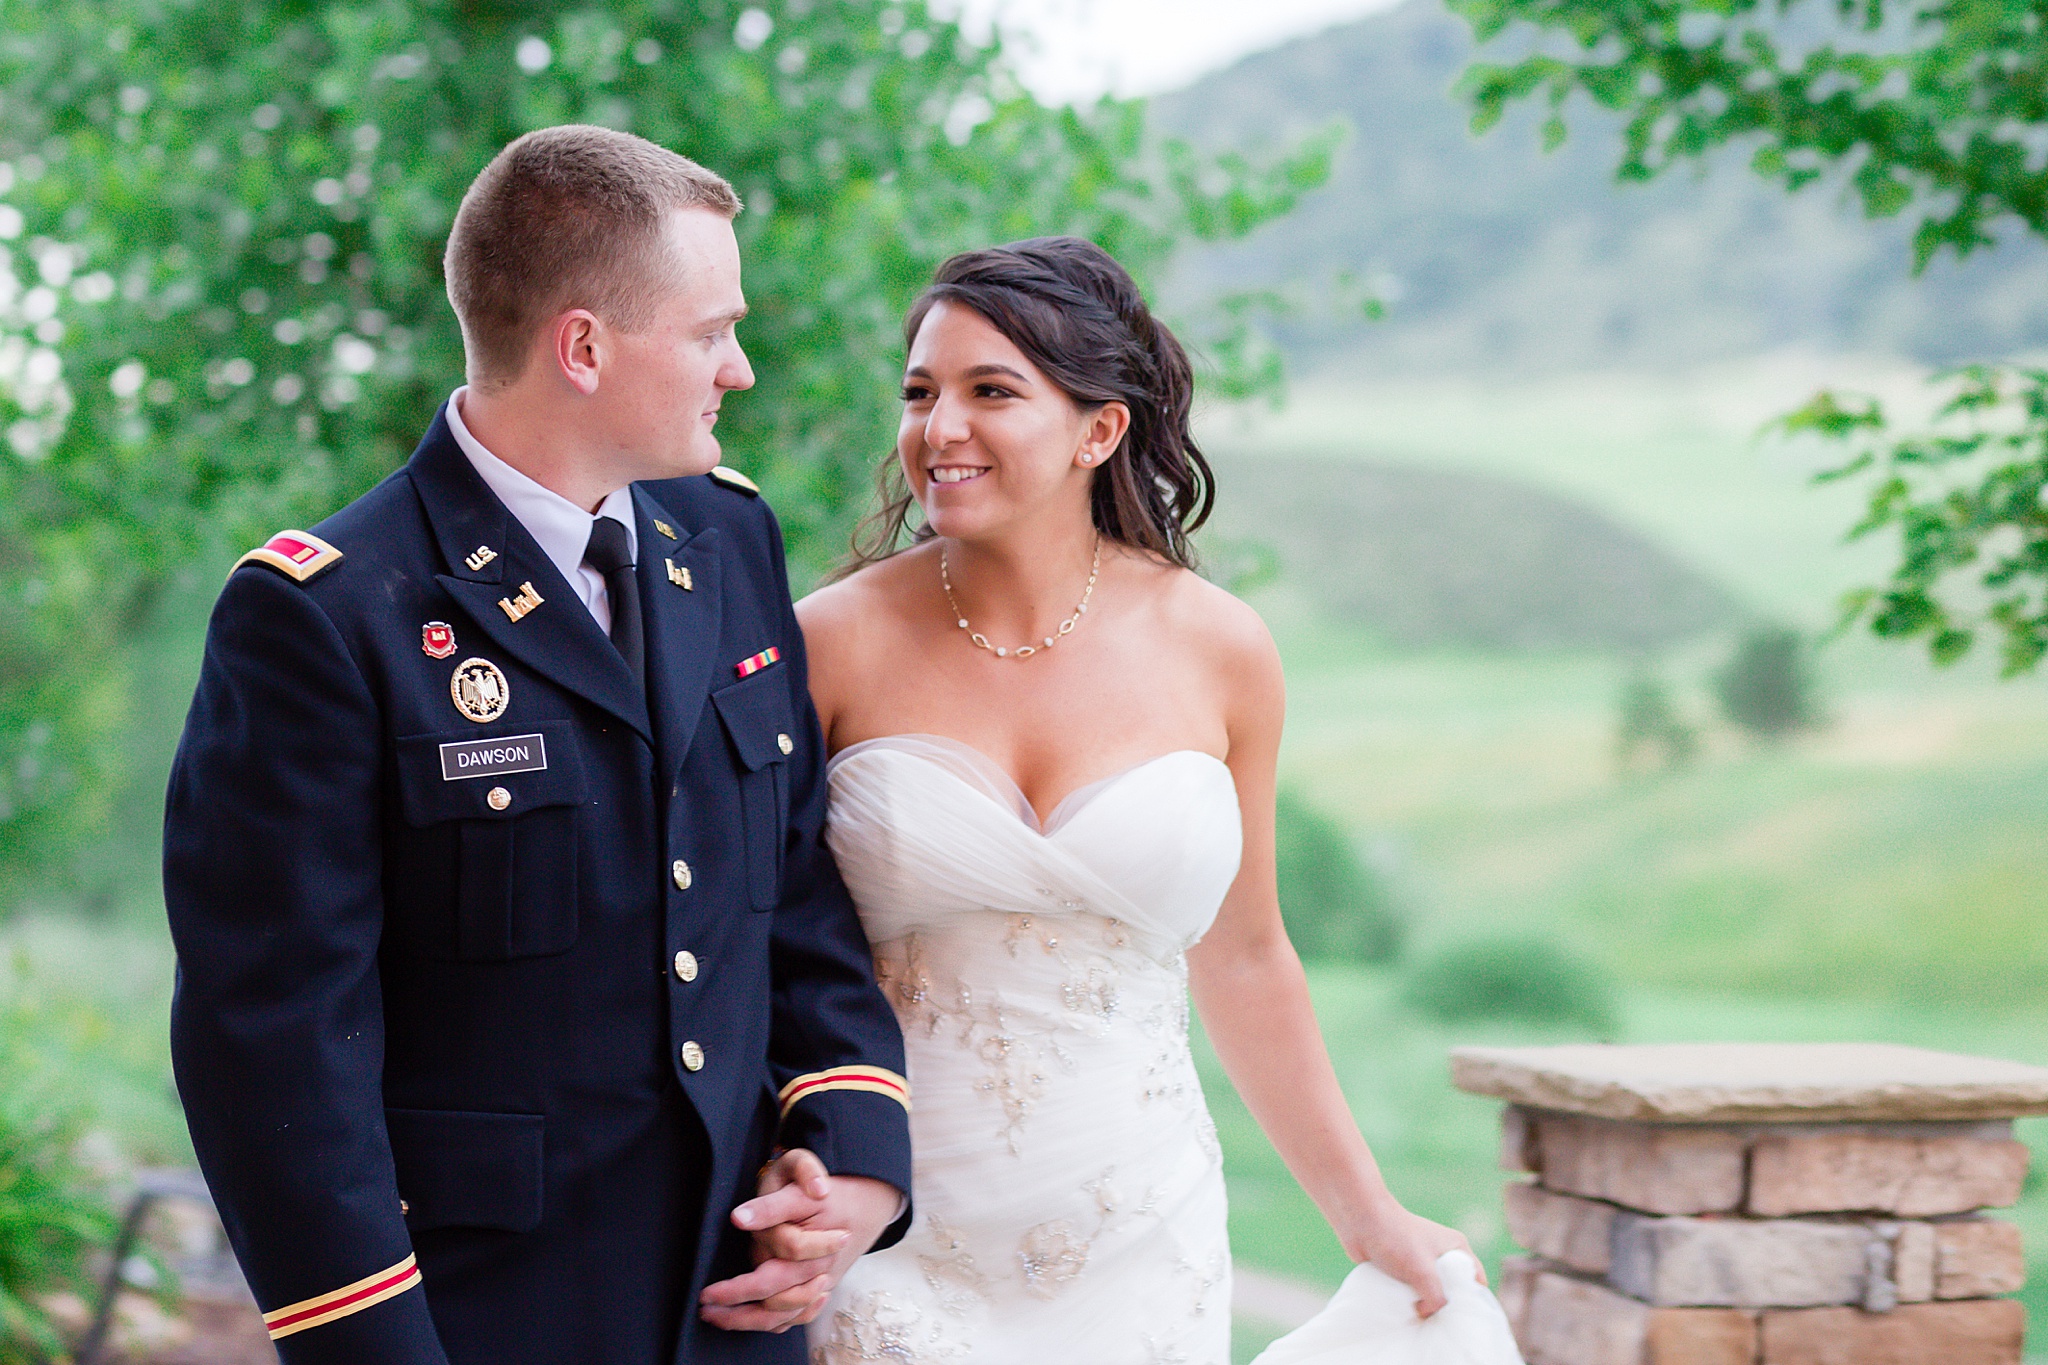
(609,554)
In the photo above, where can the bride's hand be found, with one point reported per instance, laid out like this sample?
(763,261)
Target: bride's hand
(1406,1247)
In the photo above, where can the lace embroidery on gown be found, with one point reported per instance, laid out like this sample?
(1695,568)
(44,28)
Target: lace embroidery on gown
(1068,1185)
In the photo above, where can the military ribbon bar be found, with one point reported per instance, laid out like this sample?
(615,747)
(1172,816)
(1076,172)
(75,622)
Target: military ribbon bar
(340,1303)
(747,668)
(873,1079)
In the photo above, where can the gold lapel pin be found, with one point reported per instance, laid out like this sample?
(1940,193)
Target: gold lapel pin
(679,577)
(517,607)
(665,529)
(480,556)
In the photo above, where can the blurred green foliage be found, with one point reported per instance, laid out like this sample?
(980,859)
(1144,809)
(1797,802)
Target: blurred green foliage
(1937,107)
(222,308)
(1529,978)
(51,1216)
(1334,907)
(1767,686)
(1994,424)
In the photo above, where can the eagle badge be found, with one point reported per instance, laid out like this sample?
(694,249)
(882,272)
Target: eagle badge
(479,690)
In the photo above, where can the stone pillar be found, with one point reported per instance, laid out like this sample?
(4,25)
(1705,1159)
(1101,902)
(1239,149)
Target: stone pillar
(1760,1204)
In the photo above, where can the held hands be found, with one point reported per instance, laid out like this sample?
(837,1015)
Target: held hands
(1406,1246)
(809,1227)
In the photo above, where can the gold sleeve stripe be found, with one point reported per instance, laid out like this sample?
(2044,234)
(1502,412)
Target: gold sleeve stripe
(350,1298)
(874,1079)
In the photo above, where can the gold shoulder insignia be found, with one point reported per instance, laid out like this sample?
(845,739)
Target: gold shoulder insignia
(299,555)
(732,478)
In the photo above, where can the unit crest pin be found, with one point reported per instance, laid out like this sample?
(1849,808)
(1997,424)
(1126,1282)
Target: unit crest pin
(437,638)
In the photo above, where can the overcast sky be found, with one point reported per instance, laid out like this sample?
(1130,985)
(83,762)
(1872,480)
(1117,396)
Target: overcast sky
(1069,49)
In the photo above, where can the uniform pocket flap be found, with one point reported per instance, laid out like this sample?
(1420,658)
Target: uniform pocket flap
(467,1170)
(461,775)
(757,715)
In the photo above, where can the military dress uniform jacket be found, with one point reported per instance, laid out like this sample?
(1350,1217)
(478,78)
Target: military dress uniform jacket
(498,978)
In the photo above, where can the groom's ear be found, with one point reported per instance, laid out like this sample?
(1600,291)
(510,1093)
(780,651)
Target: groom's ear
(577,349)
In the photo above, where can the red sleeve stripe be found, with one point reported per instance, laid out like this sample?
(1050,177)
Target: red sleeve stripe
(350,1298)
(874,1079)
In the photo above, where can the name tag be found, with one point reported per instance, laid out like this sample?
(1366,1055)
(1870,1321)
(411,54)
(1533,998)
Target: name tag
(492,757)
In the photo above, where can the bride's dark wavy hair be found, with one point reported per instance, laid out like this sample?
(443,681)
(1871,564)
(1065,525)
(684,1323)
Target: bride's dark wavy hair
(1078,315)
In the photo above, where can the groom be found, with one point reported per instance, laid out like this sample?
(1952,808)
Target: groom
(508,947)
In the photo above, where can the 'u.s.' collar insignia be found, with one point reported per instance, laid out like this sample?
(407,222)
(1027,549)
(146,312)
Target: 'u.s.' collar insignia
(665,529)
(680,577)
(437,638)
(748,667)
(480,556)
(732,478)
(479,690)
(517,607)
(299,555)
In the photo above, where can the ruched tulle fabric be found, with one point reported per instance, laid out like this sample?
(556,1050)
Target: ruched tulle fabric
(1068,1187)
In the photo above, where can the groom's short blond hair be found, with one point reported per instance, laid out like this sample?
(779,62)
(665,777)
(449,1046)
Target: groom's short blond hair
(567,217)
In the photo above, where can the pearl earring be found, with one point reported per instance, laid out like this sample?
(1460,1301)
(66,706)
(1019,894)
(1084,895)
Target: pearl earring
(1087,458)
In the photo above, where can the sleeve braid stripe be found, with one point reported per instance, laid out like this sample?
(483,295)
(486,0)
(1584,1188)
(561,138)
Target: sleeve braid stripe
(877,1080)
(340,1303)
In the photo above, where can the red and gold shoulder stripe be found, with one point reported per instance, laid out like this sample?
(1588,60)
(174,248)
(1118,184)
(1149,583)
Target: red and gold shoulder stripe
(298,555)
(339,1303)
(874,1079)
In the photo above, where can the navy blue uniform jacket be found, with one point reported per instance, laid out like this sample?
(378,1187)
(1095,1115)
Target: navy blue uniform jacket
(481,1043)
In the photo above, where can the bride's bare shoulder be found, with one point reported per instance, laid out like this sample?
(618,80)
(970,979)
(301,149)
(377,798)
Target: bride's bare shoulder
(1224,633)
(849,609)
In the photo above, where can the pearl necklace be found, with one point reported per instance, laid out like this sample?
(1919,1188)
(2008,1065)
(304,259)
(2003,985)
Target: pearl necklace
(1021,651)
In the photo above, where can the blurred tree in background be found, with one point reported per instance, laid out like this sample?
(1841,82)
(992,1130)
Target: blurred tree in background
(1650,724)
(1334,907)
(1766,687)
(1937,107)
(221,307)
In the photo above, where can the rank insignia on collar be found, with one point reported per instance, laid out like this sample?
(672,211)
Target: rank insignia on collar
(437,638)
(479,690)
(517,607)
(480,556)
(298,555)
(665,529)
(747,668)
(732,478)
(680,577)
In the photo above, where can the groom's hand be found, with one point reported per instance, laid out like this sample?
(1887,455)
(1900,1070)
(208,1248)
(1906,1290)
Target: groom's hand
(809,1227)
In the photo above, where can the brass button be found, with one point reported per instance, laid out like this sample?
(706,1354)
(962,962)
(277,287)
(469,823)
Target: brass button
(693,1057)
(403,1208)
(686,965)
(784,743)
(681,871)
(499,798)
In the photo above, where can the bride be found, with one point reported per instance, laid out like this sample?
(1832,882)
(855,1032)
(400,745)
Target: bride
(1052,799)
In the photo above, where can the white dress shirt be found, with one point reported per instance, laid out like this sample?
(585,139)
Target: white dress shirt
(561,527)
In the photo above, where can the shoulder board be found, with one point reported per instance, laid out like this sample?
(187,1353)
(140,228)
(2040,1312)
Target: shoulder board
(298,555)
(732,478)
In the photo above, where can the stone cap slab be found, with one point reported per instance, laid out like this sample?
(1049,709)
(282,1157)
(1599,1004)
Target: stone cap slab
(1754,1082)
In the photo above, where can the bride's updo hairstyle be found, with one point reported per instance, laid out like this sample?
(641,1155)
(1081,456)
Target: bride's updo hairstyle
(1077,314)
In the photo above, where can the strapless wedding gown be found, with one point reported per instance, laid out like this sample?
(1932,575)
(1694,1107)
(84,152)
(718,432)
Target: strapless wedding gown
(1068,1187)
(1069,1204)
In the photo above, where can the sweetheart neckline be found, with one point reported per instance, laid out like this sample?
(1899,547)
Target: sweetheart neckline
(1025,813)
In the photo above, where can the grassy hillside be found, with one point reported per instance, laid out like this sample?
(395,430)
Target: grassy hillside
(1491,254)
